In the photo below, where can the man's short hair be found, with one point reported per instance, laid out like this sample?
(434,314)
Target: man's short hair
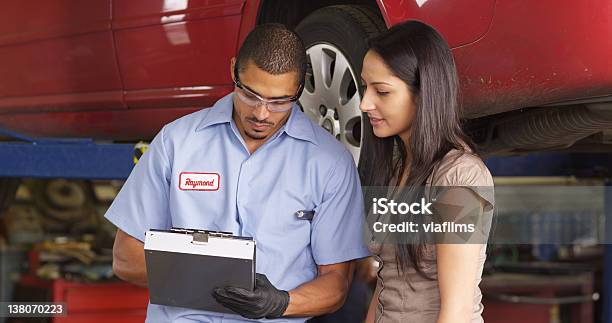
(275,49)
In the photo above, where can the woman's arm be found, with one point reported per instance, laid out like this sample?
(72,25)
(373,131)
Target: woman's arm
(458,266)
(457,270)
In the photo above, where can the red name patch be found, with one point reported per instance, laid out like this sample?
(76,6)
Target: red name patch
(190,181)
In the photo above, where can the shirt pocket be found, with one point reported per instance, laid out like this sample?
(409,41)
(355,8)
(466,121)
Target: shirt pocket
(276,218)
(283,241)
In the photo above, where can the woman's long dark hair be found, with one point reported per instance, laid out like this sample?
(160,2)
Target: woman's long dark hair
(418,55)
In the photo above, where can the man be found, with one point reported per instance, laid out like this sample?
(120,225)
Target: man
(247,165)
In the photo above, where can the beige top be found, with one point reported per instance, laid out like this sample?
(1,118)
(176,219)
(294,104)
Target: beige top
(397,302)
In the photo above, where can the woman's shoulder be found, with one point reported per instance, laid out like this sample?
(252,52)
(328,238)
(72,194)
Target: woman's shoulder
(461,168)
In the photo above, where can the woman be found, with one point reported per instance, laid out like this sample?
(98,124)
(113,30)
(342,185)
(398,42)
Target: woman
(414,139)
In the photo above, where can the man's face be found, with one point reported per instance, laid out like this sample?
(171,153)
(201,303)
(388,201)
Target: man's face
(257,122)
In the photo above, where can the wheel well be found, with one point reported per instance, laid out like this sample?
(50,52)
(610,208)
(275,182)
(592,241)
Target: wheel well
(291,12)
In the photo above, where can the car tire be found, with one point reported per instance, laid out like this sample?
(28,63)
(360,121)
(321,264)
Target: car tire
(336,38)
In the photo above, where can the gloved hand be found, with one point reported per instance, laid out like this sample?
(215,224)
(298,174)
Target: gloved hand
(264,301)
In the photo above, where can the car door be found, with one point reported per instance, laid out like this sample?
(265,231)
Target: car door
(57,55)
(176,53)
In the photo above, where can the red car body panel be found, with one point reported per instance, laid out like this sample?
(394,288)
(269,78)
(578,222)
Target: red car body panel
(58,59)
(545,52)
(171,53)
(124,68)
(120,125)
(514,54)
(461,22)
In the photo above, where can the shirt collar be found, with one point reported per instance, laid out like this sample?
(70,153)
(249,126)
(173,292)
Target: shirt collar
(297,126)
(221,112)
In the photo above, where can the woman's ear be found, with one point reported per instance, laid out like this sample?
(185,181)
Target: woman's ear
(416,99)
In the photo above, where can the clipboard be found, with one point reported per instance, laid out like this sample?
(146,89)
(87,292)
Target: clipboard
(185,265)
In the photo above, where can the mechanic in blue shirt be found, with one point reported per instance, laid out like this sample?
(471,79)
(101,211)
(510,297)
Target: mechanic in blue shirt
(247,165)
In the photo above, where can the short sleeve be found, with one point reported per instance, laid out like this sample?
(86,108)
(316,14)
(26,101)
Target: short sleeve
(142,203)
(466,170)
(337,228)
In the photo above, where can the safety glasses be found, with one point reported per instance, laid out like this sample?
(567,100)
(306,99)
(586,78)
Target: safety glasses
(253,99)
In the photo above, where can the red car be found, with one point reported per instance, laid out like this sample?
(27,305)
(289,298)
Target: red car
(119,70)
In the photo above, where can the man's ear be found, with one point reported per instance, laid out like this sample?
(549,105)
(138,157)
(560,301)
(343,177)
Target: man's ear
(232,64)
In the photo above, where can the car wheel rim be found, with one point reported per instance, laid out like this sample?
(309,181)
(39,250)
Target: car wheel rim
(330,96)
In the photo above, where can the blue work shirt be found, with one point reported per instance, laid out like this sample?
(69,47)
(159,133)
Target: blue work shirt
(198,173)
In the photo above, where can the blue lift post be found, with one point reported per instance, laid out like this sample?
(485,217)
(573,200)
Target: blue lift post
(580,165)
(63,158)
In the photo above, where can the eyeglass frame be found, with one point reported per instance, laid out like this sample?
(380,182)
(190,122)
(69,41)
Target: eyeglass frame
(263,100)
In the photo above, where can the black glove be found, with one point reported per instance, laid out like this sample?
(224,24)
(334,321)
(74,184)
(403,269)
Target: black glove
(264,301)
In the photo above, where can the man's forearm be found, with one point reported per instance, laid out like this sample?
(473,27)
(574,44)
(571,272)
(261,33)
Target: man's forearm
(129,260)
(127,271)
(325,294)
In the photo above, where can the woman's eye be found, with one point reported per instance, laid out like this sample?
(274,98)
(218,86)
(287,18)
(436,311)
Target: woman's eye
(382,93)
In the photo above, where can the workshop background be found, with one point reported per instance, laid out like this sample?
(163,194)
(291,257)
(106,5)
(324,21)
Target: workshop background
(84,85)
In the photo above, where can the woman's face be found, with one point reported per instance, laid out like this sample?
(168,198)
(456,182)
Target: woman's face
(386,99)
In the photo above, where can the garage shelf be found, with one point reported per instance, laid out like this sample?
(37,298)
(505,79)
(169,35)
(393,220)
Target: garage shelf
(569,164)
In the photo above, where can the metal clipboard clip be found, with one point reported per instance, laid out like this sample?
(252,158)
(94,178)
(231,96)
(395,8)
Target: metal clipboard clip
(305,215)
(202,236)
